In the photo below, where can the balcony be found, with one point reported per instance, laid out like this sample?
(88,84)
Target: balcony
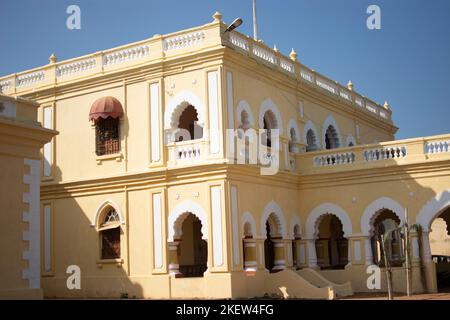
(187,152)
(392,153)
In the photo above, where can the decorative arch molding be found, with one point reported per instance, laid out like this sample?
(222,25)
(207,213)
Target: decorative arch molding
(176,106)
(101,209)
(373,210)
(292,124)
(295,221)
(315,216)
(310,126)
(244,106)
(350,139)
(180,213)
(247,217)
(273,208)
(330,121)
(433,209)
(269,105)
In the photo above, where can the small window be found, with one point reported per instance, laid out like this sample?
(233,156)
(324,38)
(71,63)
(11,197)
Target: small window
(110,235)
(107,136)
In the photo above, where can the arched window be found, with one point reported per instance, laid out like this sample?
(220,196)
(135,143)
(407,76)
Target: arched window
(386,221)
(311,144)
(109,230)
(331,138)
(190,130)
(269,123)
(105,113)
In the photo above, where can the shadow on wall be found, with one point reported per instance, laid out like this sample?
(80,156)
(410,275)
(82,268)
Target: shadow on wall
(100,251)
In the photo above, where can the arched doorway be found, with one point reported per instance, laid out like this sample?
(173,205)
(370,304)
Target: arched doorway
(269,124)
(387,220)
(269,251)
(331,246)
(440,249)
(187,125)
(331,138)
(192,249)
(274,258)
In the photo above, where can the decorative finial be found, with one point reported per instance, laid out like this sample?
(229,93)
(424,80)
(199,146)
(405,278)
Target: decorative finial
(217,16)
(387,106)
(52,59)
(275,48)
(293,55)
(350,85)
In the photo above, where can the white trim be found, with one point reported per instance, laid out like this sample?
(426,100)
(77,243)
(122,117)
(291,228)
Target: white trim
(311,126)
(33,233)
(292,124)
(372,210)
(350,138)
(154,118)
(244,106)
(213,104)
(312,223)
(267,105)
(48,147)
(433,209)
(177,105)
(248,217)
(216,211)
(179,213)
(230,110)
(330,121)
(235,220)
(100,209)
(47,238)
(157,230)
(273,207)
(295,221)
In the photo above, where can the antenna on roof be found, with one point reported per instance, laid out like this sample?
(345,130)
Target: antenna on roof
(255,24)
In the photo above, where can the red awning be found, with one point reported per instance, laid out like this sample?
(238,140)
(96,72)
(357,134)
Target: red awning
(105,107)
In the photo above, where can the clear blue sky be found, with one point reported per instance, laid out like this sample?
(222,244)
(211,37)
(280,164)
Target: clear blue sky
(407,62)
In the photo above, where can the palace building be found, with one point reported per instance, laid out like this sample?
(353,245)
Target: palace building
(154,188)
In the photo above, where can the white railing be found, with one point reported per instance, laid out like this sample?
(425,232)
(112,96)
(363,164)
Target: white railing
(264,54)
(306,75)
(124,55)
(69,69)
(29,78)
(371,107)
(239,42)
(287,65)
(184,41)
(384,153)
(322,83)
(359,101)
(5,85)
(437,147)
(185,152)
(334,159)
(345,94)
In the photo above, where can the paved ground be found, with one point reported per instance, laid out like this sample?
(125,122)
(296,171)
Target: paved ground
(428,296)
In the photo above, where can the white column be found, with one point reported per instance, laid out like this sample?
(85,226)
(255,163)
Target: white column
(426,247)
(154,120)
(157,231)
(217,226)
(312,256)
(213,102)
(368,250)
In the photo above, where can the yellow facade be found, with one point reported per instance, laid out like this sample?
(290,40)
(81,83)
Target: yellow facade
(21,138)
(177,200)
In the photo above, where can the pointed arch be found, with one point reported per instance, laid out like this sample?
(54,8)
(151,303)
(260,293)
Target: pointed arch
(351,141)
(295,222)
(310,127)
(273,208)
(241,107)
(101,209)
(269,105)
(373,210)
(177,105)
(315,216)
(331,122)
(179,213)
(433,209)
(247,217)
